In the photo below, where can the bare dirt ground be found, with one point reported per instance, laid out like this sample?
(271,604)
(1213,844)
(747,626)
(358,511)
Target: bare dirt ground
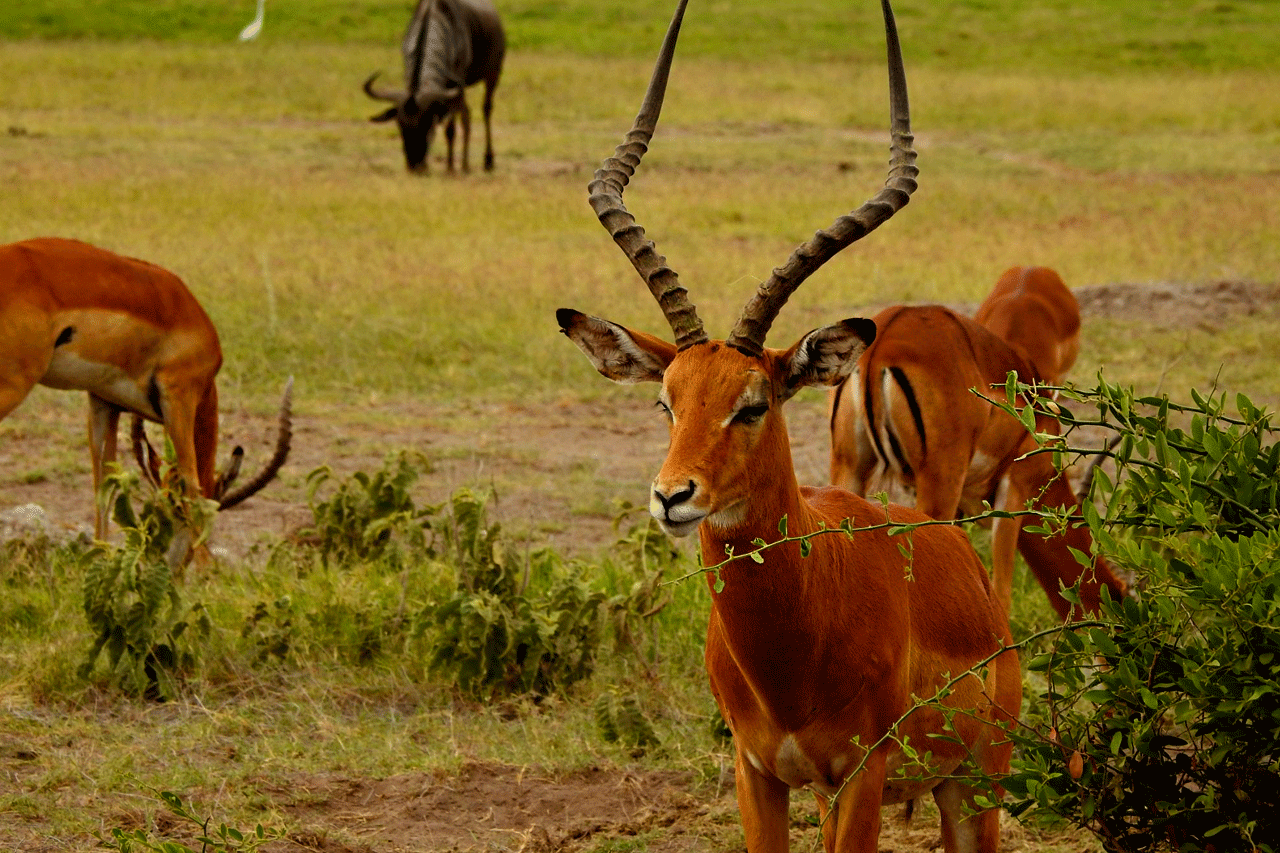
(556,468)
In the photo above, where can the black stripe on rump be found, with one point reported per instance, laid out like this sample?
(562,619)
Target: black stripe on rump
(900,376)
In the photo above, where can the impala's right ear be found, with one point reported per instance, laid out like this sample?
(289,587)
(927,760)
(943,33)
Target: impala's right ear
(619,354)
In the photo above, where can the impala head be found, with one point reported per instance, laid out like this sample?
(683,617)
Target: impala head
(416,116)
(723,398)
(723,407)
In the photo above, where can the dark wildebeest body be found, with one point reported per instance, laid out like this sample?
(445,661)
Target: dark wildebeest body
(449,45)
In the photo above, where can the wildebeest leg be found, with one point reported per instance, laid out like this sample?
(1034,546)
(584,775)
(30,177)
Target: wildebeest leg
(488,138)
(448,138)
(464,112)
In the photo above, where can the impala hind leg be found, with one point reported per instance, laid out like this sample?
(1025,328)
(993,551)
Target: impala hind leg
(762,804)
(940,488)
(853,458)
(23,369)
(1011,496)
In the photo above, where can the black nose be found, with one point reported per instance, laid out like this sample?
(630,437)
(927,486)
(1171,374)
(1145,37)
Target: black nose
(676,498)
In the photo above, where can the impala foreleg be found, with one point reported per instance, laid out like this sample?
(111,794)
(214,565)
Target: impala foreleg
(104,421)
(964,828)
(762,803)
(189,412)
(1050,558)
(853,823)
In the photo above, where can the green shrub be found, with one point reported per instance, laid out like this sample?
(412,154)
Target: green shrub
(131,603)
(1159,723)
(640,560)
(369,517)
(212,840)
(513,625)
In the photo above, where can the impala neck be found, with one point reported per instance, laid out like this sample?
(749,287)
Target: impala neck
(750,589)
(775,493)
(771,614)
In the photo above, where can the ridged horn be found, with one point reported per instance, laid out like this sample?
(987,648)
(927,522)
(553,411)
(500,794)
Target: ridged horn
(605,193)
(284,435)
(760,311)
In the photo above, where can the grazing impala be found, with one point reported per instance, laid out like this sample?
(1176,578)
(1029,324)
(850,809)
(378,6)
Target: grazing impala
(1032,311)
(910,415)
(813,659)
(76,317)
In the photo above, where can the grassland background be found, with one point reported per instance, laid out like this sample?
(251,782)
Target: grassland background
(1115,141)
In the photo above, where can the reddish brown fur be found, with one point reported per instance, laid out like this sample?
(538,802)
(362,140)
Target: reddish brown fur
(970,450)
(126,331)
(1033,311)
(804,655)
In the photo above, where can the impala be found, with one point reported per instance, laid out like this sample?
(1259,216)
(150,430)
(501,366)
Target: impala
(918,413)
(76,317)
(1032,310)
(813,660)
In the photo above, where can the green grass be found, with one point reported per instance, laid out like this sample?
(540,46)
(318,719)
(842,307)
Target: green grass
(251,172)
(1046,34)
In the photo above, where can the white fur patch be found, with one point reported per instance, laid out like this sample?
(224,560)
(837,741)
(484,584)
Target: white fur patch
(795,767)
(68,371)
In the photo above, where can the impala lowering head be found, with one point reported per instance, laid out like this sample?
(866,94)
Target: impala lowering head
(757,316)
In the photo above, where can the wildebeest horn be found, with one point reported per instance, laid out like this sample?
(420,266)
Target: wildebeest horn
(606,199)
(380,94)
(759,313)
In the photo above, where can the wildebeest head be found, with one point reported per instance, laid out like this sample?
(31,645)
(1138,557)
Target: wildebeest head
(416,116)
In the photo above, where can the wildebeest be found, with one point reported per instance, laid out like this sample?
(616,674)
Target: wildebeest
(449,45)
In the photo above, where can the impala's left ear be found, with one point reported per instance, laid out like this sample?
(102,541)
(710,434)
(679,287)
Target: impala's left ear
(825,356)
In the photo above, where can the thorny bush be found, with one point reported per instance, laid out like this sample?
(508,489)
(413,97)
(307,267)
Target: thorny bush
(1159,723)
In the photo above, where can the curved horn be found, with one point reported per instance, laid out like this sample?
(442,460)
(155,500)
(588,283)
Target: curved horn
(273,466)
(229,473)
(759,313)
(606,199)
(380,94)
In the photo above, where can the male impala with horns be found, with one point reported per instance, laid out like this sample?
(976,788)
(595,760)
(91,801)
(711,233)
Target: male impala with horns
(814,659)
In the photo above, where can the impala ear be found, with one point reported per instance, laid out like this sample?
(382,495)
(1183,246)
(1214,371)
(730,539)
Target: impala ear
(619,354)
(826,356)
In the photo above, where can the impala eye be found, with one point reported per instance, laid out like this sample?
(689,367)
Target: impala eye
(749,415)
(666,410)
